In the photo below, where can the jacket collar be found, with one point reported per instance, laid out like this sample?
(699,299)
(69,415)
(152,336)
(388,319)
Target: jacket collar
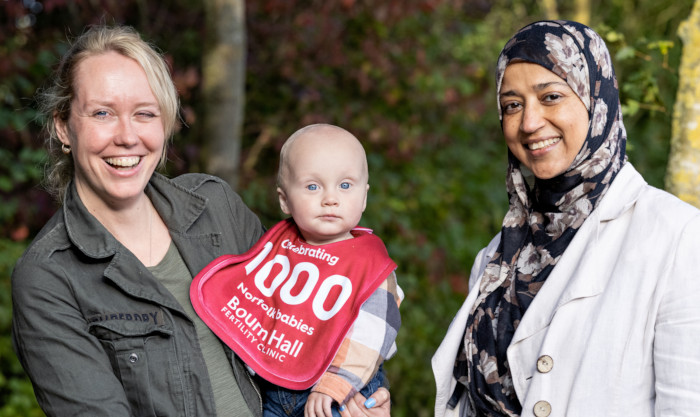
(178,207)
(626,189)
(579,272)
(84,230)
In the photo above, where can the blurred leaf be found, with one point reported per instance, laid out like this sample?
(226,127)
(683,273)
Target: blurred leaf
(630,108)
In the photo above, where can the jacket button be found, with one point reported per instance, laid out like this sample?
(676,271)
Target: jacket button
(545,364)
(133,358)
(542,409)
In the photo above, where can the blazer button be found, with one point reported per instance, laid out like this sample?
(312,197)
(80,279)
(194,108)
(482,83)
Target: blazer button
(133,358)
(542,409)
(545,364)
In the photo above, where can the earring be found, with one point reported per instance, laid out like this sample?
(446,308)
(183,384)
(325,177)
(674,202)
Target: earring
(65,148)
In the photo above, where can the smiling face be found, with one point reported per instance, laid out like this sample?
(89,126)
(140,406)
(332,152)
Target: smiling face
(324,184)
(544,122)
(114,129)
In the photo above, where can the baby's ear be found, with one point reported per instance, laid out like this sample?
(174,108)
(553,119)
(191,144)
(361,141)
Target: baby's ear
(283,201)
(364,203)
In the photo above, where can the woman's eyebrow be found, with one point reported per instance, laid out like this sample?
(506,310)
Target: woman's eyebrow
(509,93)
(536,87)
(542,86)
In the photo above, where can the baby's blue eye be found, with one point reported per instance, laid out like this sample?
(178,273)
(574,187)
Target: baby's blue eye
(312,187)
(345,185)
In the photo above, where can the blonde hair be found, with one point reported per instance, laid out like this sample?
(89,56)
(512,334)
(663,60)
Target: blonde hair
(55,100)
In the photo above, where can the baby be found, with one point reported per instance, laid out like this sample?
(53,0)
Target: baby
(323,184)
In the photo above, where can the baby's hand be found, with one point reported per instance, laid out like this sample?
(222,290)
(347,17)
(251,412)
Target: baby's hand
(318,405)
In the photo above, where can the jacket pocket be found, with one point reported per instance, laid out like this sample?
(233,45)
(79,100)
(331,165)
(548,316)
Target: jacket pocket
(143,356)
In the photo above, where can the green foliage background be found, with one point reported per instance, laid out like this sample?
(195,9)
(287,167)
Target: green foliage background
(412,79)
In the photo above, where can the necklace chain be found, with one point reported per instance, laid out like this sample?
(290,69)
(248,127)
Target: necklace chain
(150,234)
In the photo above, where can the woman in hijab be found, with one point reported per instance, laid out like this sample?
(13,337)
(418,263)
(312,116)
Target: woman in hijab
(586,302)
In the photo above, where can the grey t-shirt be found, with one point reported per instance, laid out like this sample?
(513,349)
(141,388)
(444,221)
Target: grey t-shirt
(172,272)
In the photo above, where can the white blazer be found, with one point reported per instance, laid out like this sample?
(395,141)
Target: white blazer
(615,330)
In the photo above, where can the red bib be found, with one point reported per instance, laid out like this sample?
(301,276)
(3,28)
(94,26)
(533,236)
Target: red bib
(285,306)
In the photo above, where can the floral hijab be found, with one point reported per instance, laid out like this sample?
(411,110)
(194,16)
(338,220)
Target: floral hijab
(542,219)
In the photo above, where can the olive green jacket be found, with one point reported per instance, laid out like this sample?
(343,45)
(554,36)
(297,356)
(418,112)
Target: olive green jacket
(97,334)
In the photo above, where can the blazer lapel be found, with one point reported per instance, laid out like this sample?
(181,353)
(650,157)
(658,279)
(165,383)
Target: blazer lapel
(573,277)
(578,273)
